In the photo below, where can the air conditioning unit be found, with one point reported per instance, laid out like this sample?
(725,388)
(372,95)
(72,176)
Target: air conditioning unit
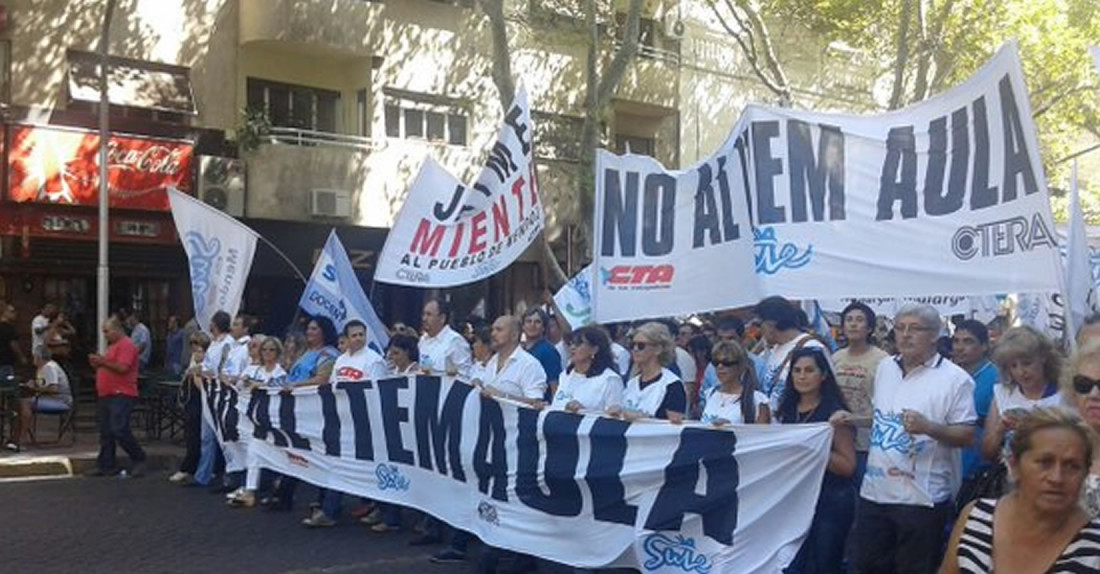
(222,183)
(674,26)
(330,203)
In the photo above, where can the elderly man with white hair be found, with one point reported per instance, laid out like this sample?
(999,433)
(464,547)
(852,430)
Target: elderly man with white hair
(923,413)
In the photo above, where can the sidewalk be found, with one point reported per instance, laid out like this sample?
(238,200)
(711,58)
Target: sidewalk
(52,460)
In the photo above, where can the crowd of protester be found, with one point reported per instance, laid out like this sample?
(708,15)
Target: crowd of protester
(933,423)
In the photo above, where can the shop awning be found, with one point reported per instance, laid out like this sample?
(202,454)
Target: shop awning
(133,83)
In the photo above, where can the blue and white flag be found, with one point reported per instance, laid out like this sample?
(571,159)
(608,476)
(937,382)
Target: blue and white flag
(574,299)
(818,322)
(334,291)
(219,255)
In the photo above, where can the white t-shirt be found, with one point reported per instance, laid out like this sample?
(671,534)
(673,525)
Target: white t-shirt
(521,375)
(53,374)
(218,350)
(595,393)
(916,470)
(563,351)
(1010,397)
(778,366)
(622,358)
(686,363)
(38,331)
(275,378)
(446,349)
(728,406)
(649,399)
(360,366)
(238,359)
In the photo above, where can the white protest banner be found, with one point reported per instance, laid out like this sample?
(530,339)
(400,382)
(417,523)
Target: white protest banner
(947,305)
(219,255)
(448,233)
(221,409)
(334,291)
(588,491)
(574,299)
(945,197)
(1080,292)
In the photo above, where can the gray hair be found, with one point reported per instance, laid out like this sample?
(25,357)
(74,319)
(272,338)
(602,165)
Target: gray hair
(927,314)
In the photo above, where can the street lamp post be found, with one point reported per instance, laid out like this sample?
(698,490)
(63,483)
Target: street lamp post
(102,271)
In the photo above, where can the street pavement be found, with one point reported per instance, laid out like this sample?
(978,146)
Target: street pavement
(146,525)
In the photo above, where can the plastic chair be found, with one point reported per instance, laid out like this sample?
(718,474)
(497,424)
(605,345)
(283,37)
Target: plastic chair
(66,420)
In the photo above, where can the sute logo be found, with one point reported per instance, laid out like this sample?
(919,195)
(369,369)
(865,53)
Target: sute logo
(638,276)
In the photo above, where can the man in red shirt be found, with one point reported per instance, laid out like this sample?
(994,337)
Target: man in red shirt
(116,386)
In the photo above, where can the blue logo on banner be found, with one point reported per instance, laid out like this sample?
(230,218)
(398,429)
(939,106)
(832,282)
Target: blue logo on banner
(771,257)
(888,433)
(203,254)
(390,478)
(678,552)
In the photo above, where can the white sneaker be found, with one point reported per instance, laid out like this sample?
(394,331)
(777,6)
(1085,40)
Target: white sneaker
(179,477)
(235,493)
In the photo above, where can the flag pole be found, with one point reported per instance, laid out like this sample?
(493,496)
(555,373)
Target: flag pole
(103,282)
(285,258)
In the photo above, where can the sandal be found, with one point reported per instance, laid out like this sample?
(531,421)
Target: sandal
(243,499)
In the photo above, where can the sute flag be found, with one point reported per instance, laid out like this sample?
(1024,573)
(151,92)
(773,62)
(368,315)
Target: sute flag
(574,299)
(334,291)
(449,233)
(219,255)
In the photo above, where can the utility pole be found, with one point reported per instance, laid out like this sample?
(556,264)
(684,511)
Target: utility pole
(102,271)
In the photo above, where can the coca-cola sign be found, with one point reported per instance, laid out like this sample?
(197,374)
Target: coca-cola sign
(62,166)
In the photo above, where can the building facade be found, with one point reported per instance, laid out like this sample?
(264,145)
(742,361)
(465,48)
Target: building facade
(300,116)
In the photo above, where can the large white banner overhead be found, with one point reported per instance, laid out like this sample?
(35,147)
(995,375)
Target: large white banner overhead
(219,255)
(583,490)
(945,197)
(449,233)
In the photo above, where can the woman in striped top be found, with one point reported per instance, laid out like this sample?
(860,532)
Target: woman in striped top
(1039,526)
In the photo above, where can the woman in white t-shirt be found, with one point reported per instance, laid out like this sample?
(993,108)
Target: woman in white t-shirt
(268,374)
(1030,368)
(736,400)
(653,391)
(403,354)
(590,383)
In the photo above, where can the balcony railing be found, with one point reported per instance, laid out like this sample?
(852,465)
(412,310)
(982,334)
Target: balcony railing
(303,137)
(667,56)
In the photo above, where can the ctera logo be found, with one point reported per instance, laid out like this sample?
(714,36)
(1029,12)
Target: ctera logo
(638,277)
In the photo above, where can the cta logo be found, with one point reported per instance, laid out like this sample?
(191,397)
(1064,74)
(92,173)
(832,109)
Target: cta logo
(638,277)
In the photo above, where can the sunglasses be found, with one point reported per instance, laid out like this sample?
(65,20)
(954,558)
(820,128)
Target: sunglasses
(727,364)
(1084,385)
(577,342)
(639,346)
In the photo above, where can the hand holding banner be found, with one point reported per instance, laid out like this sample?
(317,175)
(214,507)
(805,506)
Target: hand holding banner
(334,291)
(219,254)
(448,233)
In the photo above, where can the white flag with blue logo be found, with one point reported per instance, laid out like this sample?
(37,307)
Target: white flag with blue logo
(334,291)
(574,299)
(219,255)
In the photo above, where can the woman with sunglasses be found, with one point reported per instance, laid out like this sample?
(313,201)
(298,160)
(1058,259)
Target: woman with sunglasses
(1082,389)
(267,374)
(1030,368)
(590,383)
(653,391)
(812,395)
(736,400)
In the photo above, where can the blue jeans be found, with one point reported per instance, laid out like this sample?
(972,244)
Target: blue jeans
(114,428)
(331,501)
(823,550)
(208,454)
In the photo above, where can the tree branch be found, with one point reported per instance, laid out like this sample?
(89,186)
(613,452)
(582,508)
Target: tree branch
(902,59)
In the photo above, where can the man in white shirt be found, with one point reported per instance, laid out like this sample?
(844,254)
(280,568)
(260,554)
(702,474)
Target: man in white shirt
(359,362)
(781,329)
(240,333)
(923,413)
(442,350)
(40,324)
(511,373)
(217,354)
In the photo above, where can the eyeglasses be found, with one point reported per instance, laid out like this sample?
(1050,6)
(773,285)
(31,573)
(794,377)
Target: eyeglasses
(906,329)
(639,346)
(272,349)
(728,364)
(1084,385)
(578,342)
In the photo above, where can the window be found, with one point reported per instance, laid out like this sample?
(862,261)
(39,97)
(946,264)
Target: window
(638,145)
(426,117)
(557,136)
(361,113)
(291,106)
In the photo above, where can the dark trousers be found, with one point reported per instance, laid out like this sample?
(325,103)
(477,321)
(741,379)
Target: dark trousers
(899,538)
(192,429)
(823,550)
(114,428)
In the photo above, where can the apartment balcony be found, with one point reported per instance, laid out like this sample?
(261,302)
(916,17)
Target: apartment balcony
(653,78)
(346,27)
